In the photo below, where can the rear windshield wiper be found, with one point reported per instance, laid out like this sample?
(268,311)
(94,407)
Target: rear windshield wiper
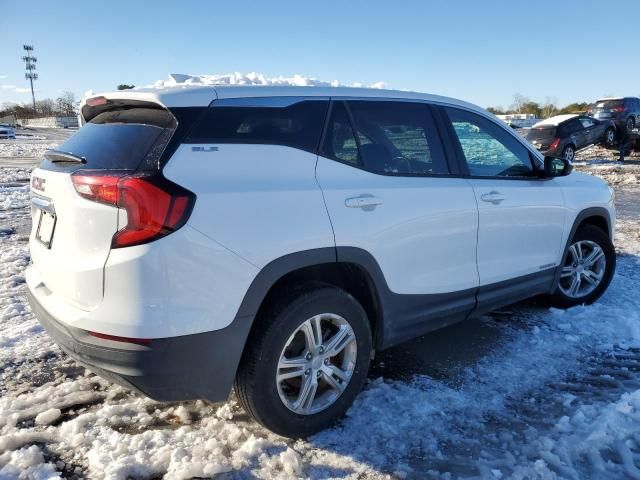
(55,156)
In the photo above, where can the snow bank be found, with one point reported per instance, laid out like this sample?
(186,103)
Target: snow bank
(21,149)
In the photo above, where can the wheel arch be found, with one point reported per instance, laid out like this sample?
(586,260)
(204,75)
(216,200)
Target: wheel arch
(318,266)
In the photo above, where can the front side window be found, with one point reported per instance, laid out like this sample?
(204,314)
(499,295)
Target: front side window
(298,125)
(488,149)
(393,138)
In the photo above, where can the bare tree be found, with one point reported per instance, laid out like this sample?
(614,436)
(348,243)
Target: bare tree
(46,106)
(519,101)
(66,104)
(549,108)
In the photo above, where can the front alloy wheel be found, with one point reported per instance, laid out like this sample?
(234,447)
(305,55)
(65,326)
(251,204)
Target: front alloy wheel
(583,270)
(588,267)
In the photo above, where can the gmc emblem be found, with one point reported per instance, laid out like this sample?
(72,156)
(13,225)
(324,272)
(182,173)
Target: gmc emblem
(37,183)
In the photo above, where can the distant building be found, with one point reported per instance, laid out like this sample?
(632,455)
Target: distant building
(50,122)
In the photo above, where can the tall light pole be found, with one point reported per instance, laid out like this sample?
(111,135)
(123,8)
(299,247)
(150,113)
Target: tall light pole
(30,66)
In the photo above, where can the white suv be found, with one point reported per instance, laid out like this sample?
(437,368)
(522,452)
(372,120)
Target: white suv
(192,239)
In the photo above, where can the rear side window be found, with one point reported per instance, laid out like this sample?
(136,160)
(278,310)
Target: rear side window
(393,138)
(125,139)
(488,149)
(570,127)
(298,125)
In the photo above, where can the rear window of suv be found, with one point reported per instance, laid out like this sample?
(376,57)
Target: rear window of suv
(125,139)
(607,104)
(274,121)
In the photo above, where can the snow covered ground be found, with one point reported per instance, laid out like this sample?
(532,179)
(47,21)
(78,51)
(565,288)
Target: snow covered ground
(524,393)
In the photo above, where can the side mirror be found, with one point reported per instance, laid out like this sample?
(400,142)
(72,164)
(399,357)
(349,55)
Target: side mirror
(557,167)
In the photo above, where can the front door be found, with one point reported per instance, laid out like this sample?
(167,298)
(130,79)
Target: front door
(521,216)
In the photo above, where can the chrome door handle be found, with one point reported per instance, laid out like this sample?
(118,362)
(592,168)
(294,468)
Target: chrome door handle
(492,197)
(364,201)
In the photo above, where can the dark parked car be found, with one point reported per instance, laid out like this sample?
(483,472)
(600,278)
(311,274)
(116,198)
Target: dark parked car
(625,112)
(563,135)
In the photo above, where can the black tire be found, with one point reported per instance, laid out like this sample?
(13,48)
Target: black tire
(569,152)
(630,124)
(255,384)
(609,137)
(588,232)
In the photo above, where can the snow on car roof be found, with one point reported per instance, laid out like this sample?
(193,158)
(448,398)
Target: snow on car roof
(194,91)
(555,121)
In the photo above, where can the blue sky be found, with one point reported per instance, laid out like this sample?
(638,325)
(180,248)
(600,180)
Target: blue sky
(481,51)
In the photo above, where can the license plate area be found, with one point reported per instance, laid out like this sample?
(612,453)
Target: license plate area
(46,227)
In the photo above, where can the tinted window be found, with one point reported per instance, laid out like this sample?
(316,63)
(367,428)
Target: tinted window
(297,125)
(389,137)
(569,127)
(607,104)
(488,149)
(586,122)
(122,139)
(340,141)
(541,133)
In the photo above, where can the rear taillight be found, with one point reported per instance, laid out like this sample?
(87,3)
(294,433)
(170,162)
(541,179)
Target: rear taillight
(618,109)
(155,206)
(554,144)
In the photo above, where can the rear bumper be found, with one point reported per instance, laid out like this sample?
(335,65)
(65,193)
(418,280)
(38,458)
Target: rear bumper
(199,366)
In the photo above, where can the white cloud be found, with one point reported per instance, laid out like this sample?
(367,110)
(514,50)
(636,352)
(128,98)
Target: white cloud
(23,90)
(2,77)
(7,87)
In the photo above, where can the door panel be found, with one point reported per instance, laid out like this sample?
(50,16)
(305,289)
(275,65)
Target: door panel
(521,217)
(522,233)
(421,230)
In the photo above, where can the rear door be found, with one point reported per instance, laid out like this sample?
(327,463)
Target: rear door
(573,131)
(521,217)
(71,236)
(388,192)
(589,131)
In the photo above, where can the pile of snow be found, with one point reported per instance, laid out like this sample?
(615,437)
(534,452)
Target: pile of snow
(614,173)
(178,79)
(22,149)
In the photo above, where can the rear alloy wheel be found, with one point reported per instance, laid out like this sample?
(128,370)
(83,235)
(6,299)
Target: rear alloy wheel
(609,137)
(316,364)
(306,363)
(569,153)
(587,270)
(630,124)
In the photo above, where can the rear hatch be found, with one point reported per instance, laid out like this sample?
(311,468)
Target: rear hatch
(607,108)
(72,233)
(541,137)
